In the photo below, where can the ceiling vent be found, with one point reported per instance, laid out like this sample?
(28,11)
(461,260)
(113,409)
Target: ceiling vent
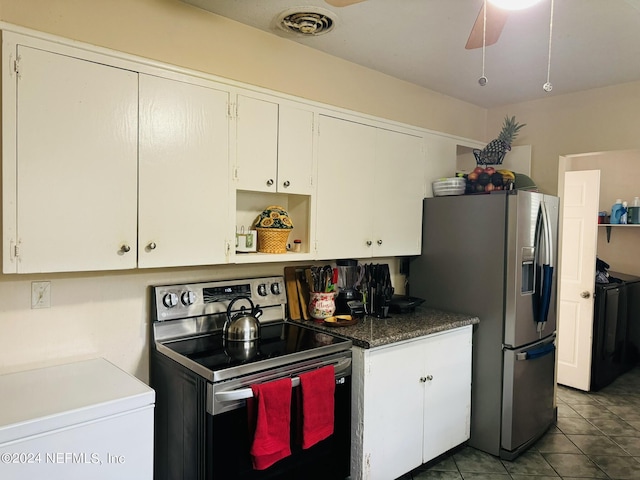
(308,22)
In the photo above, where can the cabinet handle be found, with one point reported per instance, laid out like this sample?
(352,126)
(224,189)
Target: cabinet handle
(379,242)
(369,242)
(125,248)
(286,184)
(424,379)
(269,182)
(151,246)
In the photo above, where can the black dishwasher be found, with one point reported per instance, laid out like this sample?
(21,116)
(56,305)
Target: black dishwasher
(616,328)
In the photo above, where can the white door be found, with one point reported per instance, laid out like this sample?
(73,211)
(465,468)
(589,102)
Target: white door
(394,411)
(77,138)
(256,144)
(447,391)
(184,174)
(577,277)
(399,186)
(346,164)
(295,150)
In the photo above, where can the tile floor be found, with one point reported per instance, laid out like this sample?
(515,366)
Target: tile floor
(597,436)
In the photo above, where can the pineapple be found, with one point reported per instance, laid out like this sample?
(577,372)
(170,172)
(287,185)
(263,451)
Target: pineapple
(497,148)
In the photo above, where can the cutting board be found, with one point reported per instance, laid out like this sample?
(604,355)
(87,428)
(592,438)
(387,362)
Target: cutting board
(297,292)
(291,286)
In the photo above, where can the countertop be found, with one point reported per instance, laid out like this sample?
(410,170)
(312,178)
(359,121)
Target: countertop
(371,332)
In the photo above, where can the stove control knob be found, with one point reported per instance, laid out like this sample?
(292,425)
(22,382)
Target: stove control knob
(170,300)
(275,288)
(188,297)
(262,290)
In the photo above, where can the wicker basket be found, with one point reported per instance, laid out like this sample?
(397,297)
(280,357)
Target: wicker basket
(273,240)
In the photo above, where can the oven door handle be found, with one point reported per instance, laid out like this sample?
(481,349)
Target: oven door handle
(244,393)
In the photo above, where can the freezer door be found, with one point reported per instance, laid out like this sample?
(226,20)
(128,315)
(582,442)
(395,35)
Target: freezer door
(530,288)
(527,396)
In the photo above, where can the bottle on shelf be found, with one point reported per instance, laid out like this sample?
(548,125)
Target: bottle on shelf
(633,212)
(623,217)
(616,212)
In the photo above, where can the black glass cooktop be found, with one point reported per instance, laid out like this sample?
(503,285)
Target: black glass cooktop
(276,340)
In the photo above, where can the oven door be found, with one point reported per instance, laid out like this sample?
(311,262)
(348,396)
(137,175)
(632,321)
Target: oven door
(229,438)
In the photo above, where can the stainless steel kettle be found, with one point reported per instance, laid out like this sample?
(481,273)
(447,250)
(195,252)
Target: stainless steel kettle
(244,325)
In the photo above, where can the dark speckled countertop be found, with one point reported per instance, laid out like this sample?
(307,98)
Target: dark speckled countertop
(372,332)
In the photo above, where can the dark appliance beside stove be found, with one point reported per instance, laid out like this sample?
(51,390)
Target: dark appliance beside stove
(201,425)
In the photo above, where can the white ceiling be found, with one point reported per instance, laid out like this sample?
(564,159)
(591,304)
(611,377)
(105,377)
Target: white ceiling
(595,43)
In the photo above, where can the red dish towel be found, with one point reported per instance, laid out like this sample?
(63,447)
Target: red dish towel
(270,409)
(318,401)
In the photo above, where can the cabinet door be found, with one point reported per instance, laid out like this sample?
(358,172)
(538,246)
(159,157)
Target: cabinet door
(399,187)
(346,164)
(256,144)
(447,391)
(184,174)
(295,150)
(76,165)
(394,412)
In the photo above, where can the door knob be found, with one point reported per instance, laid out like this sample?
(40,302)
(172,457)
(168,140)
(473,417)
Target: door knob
(585,294)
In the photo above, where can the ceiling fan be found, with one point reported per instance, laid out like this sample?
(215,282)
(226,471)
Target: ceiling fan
(496,17)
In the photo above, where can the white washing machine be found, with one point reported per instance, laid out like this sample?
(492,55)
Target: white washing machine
(81,420)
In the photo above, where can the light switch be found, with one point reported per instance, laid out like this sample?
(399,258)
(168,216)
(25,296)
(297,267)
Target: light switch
(40,294)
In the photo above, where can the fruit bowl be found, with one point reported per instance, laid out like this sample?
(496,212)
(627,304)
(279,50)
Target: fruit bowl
(449,186)
(487,180)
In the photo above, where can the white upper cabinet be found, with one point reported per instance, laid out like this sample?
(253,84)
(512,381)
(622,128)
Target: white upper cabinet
(295,150)
(346,167)
(399,179)
(274,146)
(370,191)
(183,174)
(256,144)
(70,176)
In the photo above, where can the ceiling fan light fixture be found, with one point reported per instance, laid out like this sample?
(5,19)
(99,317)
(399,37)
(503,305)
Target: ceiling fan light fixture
(514,4)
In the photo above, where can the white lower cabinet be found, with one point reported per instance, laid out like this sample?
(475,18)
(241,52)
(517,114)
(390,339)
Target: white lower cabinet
(411,402)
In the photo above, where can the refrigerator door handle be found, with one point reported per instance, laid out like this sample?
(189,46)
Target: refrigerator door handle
(547,267)
(536,352)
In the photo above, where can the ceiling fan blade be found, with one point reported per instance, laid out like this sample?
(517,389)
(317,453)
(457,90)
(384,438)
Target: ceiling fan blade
(342,3)
(496,19)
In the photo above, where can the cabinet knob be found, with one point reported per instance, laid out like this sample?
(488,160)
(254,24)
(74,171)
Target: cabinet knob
(427,378)
(379,242)
(585,294)
(286,183)
(151,246)
(369,243)
(269,182)
(125,248)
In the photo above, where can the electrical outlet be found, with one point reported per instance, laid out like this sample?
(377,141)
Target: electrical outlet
(40,294)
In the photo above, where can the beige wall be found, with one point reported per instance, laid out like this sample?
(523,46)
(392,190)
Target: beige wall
(106,314)
(593,121)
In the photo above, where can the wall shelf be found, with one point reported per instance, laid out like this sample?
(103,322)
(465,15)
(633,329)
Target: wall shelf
(609,225)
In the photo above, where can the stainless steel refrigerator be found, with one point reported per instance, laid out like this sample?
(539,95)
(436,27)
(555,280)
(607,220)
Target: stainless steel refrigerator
(494,255)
